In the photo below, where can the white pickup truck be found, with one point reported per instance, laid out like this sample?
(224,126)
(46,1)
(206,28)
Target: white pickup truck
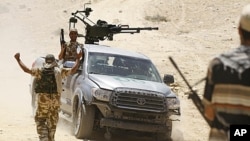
(117,89)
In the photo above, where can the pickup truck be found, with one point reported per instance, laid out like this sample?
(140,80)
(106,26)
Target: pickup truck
(116,89)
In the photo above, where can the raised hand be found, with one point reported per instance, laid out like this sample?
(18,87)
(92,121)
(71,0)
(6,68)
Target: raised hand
(17,56)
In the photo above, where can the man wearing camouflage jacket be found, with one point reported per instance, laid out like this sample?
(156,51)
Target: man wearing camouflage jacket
(48,87)
(69,49)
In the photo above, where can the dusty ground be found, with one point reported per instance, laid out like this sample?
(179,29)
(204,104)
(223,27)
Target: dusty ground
(191,31)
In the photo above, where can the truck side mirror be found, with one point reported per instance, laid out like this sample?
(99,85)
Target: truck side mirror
(168,79)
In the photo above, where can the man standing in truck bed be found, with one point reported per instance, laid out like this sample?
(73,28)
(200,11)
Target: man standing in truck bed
(69,49)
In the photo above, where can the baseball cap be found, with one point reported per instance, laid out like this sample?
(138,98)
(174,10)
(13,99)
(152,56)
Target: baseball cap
(245,18)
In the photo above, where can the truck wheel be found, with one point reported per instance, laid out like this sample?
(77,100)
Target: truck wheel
(165,136)
(84,121)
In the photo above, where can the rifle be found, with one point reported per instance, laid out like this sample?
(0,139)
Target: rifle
(62,41)
(193,95)
(101,30)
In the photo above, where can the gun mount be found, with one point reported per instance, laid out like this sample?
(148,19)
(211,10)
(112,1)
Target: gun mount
(101,30)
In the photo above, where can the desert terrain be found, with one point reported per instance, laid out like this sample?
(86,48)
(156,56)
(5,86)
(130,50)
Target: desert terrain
(190,31)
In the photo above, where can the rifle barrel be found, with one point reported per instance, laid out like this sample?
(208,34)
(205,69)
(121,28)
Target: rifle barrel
(62,41)
(194,96)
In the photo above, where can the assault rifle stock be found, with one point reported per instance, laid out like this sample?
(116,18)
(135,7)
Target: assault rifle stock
(193,95)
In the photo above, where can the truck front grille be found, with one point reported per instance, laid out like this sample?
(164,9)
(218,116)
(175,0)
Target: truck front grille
(136,99)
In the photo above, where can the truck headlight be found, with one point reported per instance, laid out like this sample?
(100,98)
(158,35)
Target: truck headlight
(173,102)
(100,94)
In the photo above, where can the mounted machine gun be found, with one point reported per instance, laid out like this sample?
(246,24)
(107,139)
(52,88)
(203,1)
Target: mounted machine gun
(101,30)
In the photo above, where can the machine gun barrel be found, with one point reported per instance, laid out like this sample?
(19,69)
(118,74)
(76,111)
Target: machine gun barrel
(136,30)
(127,29)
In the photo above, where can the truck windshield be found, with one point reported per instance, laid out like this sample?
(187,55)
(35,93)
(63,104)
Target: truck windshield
(124,66)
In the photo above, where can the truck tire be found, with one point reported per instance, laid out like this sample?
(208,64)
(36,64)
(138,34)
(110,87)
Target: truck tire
(84,121)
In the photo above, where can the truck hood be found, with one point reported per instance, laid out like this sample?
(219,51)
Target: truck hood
(112,82)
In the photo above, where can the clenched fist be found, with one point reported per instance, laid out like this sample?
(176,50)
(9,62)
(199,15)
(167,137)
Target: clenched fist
(17,56)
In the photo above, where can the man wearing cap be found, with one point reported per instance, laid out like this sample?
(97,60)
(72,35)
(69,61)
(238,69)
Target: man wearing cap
(69,49)
(48,88)
(227,88)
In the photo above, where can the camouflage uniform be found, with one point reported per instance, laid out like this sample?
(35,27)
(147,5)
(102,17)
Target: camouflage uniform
(48,102)
(71,51)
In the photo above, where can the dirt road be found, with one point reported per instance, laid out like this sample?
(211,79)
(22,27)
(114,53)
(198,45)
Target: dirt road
(191,31)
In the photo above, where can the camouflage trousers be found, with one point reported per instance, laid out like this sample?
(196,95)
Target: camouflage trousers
(47,115)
